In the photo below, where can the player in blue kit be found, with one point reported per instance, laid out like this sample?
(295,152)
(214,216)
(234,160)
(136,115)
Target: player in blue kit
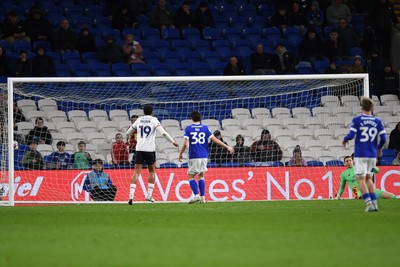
(365,129)
(196,137)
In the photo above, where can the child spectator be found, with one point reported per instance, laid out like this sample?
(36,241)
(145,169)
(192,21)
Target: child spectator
(99,184)
(297,160)
(32,159)
(81,159)
(241,154)
(42,64)
(40,132)
(23,65)
(119,151)
(60,159)
(133,51)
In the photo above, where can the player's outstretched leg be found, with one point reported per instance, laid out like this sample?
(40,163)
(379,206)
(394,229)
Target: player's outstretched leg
(195,189)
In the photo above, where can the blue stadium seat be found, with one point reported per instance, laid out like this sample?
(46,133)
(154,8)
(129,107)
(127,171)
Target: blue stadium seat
(121,69)
(211,34)
(230,164)
(89,56)
(70,57)
(200,68)
(389,152)
(100,69)
(21,45)
(247,10)
(140,69)
(266,9)
(237,22)
(103,23)
(80,69)
(225,53)
(168,165)
(45,44)
(112,32)
(320,66)
(386,160)
(171,34)
(191,33)
(177,44)
(232,34)
(314,163)
(63,70)
(150,33)
(135,32)
(220,43)
(257,22)
(212,164)
(334,162)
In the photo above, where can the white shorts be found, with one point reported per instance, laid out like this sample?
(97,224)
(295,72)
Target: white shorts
(364,166)
(197,166)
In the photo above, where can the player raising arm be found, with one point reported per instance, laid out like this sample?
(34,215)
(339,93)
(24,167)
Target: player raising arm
(365,129)
(146,149)
(196,137)
(348,177)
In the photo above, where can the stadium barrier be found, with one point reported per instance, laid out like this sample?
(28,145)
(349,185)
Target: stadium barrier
(239,184)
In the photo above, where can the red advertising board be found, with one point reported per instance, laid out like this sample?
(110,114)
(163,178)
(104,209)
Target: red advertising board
(222,184)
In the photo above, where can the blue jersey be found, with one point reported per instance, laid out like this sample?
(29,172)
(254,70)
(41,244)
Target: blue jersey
(366,129)
(198,135)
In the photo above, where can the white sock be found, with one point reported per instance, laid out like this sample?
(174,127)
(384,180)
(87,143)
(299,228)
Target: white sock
(202,198)
(150,190)
(132,189)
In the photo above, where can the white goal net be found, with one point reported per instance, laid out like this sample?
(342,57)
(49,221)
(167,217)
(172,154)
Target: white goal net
(306,113)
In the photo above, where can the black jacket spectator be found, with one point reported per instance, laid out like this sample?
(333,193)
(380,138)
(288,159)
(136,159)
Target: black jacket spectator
(284,62)
(64,39)
(311,47)
(111,52)
(3,62)
(184,17)
(23,65)
(217,153)
(203,17)
(162,17)
(14,29)
(234,67)
(39,132)
(265,149)
(261,61)
(122,19)
(394,139)
(334,49)
(42,64)
(389,82)
(38,28)
(86,41)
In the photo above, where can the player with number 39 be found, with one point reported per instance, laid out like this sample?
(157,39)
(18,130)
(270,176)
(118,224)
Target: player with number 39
(196,137)
(145,149)
(365,129)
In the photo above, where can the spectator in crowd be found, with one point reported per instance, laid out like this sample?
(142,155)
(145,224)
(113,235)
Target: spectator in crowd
(60,159)
(133,140)
(217,153)
(162,17)
(241,154)
(111,52)
(333,68)
(261,61)
(123,18)
(389,83)
(375,67)
(119,151)
(234,67)
(265,149)
(23,65)
(381,17)
(3,62)
(297,16)
(32,159)
(64,39)
(18,117)
(396,160)
(315,16)
(133,51)
(40,132)
(99,184)
(394,139)
(357,66)
(347,34)
(82,158)
(14,29)
(336,11)
(184,17)
(203,17)
(42,64)
(311,47)
(38,27)
(297,159)
(283,61)
(334,49)
(280,19)
(86,42)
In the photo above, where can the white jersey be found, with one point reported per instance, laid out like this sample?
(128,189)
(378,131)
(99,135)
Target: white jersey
(146,133)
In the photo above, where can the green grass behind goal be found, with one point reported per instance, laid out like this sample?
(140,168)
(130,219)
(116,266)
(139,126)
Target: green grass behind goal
(276,233)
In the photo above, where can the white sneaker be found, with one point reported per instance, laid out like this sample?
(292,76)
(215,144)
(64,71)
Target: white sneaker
(370,208)
(202,200)
(150,199)
(194,200)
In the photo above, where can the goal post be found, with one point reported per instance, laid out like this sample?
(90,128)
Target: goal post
(228,104)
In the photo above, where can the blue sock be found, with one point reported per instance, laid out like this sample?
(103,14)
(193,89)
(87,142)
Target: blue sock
(194,186)
(367,198)
(372,196)
(202,186)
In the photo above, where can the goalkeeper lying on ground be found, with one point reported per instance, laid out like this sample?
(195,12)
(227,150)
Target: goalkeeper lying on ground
(348,177)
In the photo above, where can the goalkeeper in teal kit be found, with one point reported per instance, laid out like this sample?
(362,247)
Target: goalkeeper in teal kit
(348,177)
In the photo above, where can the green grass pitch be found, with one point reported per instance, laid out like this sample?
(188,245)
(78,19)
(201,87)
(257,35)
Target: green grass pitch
(275,233)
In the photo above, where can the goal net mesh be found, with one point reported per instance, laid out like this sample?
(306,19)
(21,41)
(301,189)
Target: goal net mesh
(299,113)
